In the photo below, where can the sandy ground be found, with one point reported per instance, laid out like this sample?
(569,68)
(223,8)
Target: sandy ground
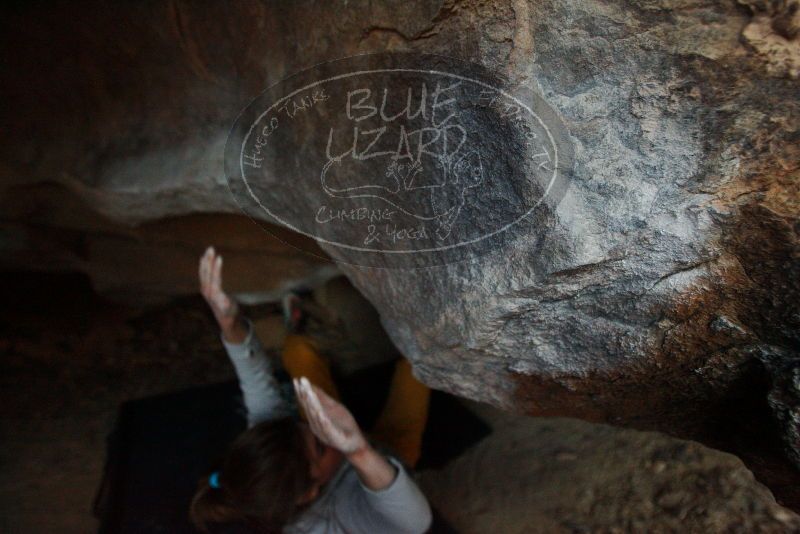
(68,359)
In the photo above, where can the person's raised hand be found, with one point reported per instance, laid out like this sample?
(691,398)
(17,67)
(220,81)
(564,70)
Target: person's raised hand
(329,420)
(225,309)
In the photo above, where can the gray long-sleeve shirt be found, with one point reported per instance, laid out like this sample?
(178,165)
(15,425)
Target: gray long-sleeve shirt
(346,505)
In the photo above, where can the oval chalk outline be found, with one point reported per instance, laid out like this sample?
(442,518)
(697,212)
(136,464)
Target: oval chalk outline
(376,71)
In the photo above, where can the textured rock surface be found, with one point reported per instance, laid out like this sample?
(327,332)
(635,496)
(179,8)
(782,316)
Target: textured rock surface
(784,398)
(561,475)
(667,274)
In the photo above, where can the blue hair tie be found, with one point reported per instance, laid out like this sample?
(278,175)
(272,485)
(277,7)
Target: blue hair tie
(213,480)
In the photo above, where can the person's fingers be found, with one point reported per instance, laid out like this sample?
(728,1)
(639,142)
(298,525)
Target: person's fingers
(200,268)
(326,400)
(336,420)
(305,385)
(319,412)
(216,274)
(205,266)
(209,266)
(320,422)
(334,409)
(318,429)
(312,410)
(331,430)
(298,393)
(302,398)
(212,255)
(312,417)
(328,405)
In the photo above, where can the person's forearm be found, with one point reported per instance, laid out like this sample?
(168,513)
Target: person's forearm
(236,331)
(373,468)
(260,389)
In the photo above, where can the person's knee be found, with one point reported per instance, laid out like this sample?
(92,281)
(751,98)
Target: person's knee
(295,341)
(298,352)
(300,358)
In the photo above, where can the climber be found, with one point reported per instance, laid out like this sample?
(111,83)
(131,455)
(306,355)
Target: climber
(308,467)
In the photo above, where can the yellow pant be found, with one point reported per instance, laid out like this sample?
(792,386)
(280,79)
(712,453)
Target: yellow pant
(402,422)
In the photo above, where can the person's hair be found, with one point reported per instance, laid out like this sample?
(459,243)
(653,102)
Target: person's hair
(261,479)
